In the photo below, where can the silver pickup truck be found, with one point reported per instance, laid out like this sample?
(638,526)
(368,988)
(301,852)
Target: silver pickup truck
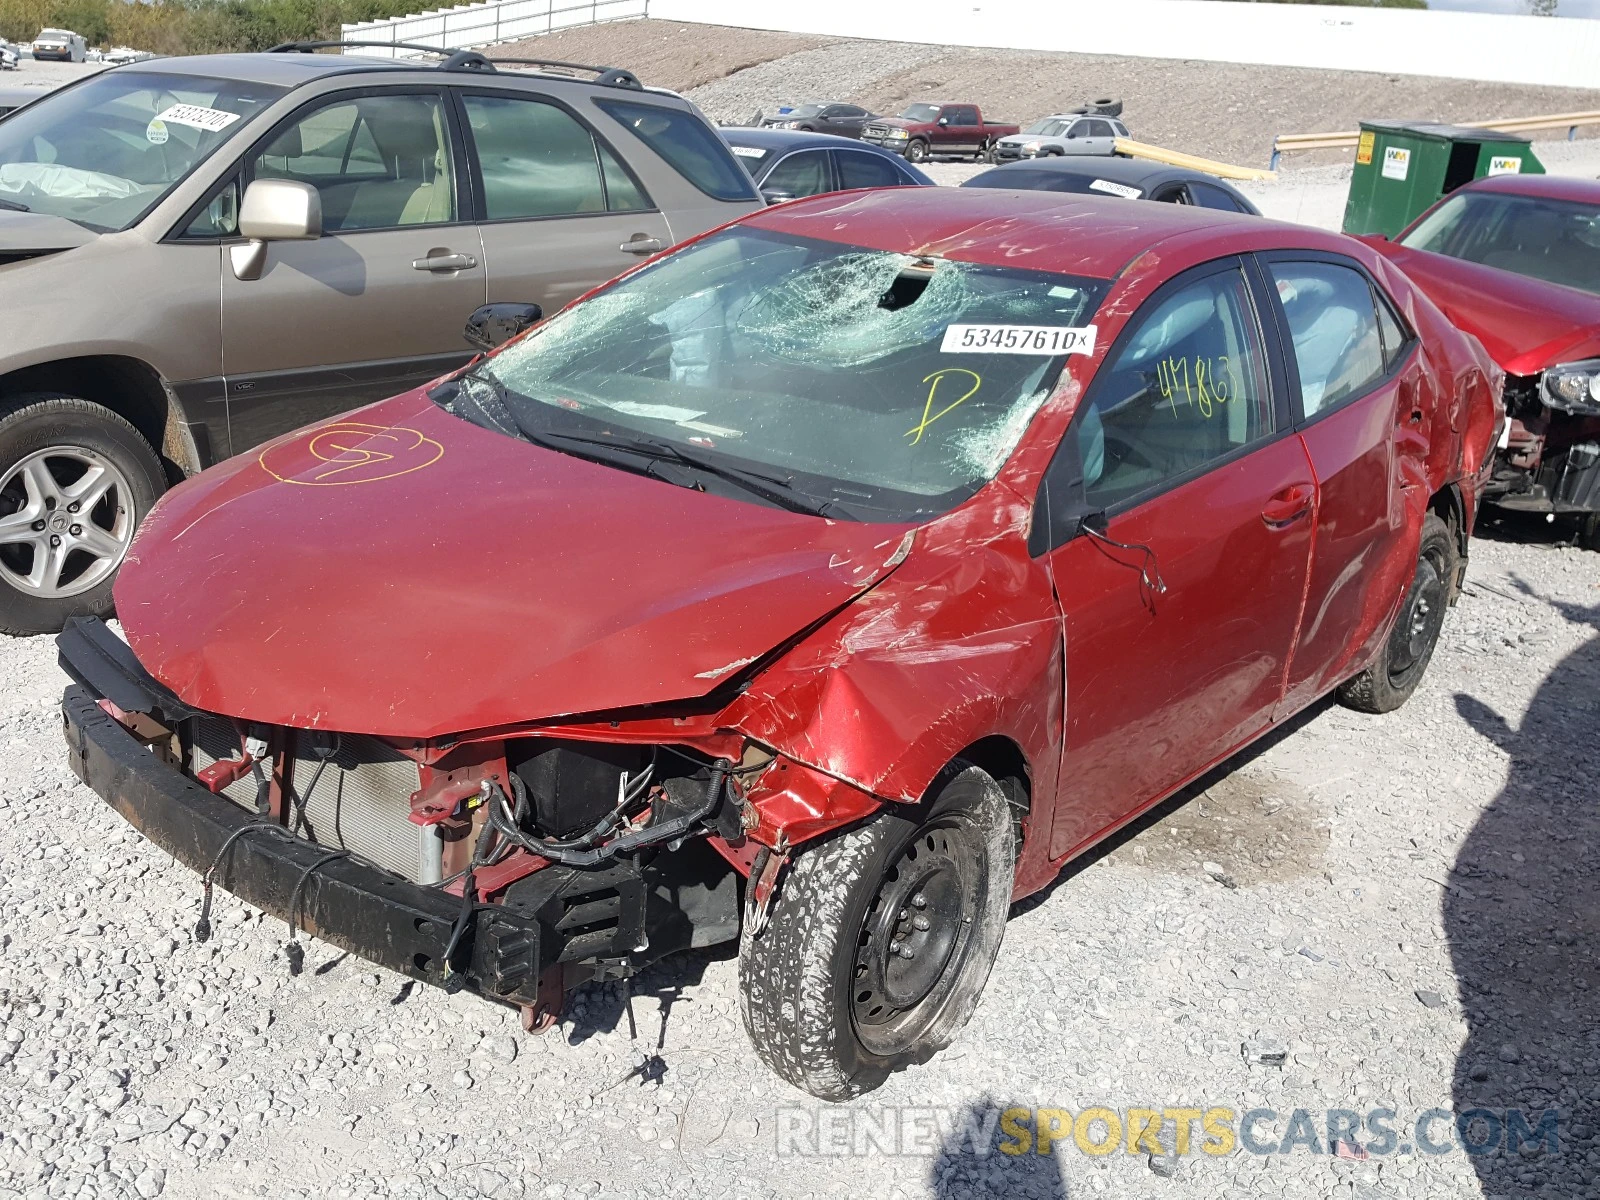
(1062,134)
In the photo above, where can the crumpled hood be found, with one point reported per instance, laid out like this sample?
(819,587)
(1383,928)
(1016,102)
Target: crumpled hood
(25,232)
(1526,325)
(401,572)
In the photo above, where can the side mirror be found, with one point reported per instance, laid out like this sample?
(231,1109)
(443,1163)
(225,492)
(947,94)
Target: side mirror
(944,120)
(1094,523)
(494,325)
(775,196)
(274,210)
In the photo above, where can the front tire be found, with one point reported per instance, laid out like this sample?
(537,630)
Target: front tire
(1389,682)
(75,481)
(917,151)
(881,939)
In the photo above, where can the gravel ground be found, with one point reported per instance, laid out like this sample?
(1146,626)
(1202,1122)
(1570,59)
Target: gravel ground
(1403,907)
(1221,110)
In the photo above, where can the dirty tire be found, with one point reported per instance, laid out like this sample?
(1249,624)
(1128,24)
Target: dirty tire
(986,153)
(804,979)
(1401,664)
(917,151)
(32,422)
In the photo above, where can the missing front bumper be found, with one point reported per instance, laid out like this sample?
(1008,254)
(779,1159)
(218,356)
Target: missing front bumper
(347,903)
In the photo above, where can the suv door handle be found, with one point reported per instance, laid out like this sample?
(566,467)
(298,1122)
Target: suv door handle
(640,244)
(1288,506)
(444,260)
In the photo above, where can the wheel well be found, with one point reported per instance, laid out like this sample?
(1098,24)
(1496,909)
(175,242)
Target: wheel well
(130,388)
(1446,504)
(1005,762)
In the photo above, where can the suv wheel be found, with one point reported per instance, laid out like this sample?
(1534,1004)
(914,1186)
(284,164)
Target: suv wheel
(917,151)
(75,481)
(880,940)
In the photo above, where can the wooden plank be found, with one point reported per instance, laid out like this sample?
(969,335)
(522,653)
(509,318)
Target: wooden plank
(1176,158)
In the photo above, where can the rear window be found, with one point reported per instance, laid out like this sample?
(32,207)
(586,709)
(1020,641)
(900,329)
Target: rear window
(688,145)
(1025,179)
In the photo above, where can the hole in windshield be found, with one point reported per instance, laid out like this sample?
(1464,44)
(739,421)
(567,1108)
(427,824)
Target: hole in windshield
(895,385)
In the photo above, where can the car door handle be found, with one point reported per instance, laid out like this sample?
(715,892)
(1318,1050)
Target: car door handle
(1288,506)
(640,244)
(444,260)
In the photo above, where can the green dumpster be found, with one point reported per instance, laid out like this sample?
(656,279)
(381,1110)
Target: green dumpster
(1404,167)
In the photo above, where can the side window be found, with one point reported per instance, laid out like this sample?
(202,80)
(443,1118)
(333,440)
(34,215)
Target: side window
(1395,339)
(379,162)
(1208,195)
(687,144)
(1334,325)
(220,218)
(1189,387)
(858,169)
(536,160)
(623,192)
(1100,129)
(962,115)
(1121,130)
(1080,129)
(801,174)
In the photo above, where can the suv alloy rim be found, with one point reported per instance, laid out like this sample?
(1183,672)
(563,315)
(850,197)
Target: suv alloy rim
(66,520)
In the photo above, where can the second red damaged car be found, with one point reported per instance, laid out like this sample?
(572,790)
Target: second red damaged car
(826,584)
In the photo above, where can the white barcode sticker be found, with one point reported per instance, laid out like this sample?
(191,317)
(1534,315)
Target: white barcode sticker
(212,120)
(1115,189)
(748,152)
(1018,339)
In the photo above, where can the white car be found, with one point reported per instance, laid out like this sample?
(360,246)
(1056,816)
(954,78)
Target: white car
(1063,134)
(8,56)
(60,44)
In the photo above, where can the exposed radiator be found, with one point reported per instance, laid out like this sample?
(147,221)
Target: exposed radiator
(362,802)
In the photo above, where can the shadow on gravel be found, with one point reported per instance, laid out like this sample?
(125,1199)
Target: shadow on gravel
(968,1163)
(596,1008)
(1236,792)
(1522,915)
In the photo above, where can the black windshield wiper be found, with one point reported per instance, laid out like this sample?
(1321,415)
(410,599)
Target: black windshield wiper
(14,206)
(771,488)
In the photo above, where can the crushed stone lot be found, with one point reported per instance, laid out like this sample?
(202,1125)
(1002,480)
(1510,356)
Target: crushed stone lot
(1392,912)
(1227,111)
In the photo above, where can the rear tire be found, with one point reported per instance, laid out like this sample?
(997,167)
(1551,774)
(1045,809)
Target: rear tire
(1389,682)
(917,151)
(67,462)
(881,939)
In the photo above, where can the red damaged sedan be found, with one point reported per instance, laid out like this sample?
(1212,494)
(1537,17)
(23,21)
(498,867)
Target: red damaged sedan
(826,584)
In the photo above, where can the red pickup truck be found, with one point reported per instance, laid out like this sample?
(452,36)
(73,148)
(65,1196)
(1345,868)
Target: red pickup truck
(924,130)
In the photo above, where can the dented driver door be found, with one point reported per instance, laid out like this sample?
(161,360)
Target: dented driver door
(1185,507)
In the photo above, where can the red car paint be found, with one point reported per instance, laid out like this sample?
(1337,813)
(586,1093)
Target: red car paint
(1527,325)
(498,587)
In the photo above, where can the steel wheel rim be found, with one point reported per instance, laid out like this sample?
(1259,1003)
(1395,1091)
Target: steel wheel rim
(1419,621)
(66,521)
(927,905)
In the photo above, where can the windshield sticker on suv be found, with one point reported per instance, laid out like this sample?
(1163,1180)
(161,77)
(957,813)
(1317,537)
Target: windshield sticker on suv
(1017,339)
(1115,189)
(156,132)
(211,120)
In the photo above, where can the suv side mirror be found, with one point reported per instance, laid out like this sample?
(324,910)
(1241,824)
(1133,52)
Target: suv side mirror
(274,210)
(944,120)
(494,325)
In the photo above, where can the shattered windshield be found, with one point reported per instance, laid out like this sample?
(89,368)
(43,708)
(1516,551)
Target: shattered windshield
(889,386)
(1557,241)
(104,152)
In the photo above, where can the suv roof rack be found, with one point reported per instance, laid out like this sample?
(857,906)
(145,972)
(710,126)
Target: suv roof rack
(473,60)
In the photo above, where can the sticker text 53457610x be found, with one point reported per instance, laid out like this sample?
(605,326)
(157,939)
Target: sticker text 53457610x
(1017,339)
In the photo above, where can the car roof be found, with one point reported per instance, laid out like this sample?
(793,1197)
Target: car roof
(285,70)
(1135,172)
(1544,187)
(1059,232)
(793,139)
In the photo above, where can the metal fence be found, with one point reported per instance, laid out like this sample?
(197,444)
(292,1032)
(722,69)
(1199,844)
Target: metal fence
(484,24)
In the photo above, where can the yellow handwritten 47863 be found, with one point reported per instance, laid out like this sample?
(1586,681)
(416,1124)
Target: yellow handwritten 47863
(1210,382)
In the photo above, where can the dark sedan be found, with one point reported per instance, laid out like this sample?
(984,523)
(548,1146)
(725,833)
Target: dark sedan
(787,164)
(821,116)
(1130,178)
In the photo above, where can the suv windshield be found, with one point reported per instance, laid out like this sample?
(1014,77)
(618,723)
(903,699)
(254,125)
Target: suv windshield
(1557,241)
(820,365)
(104,152)
(921,112)
(1048,127)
